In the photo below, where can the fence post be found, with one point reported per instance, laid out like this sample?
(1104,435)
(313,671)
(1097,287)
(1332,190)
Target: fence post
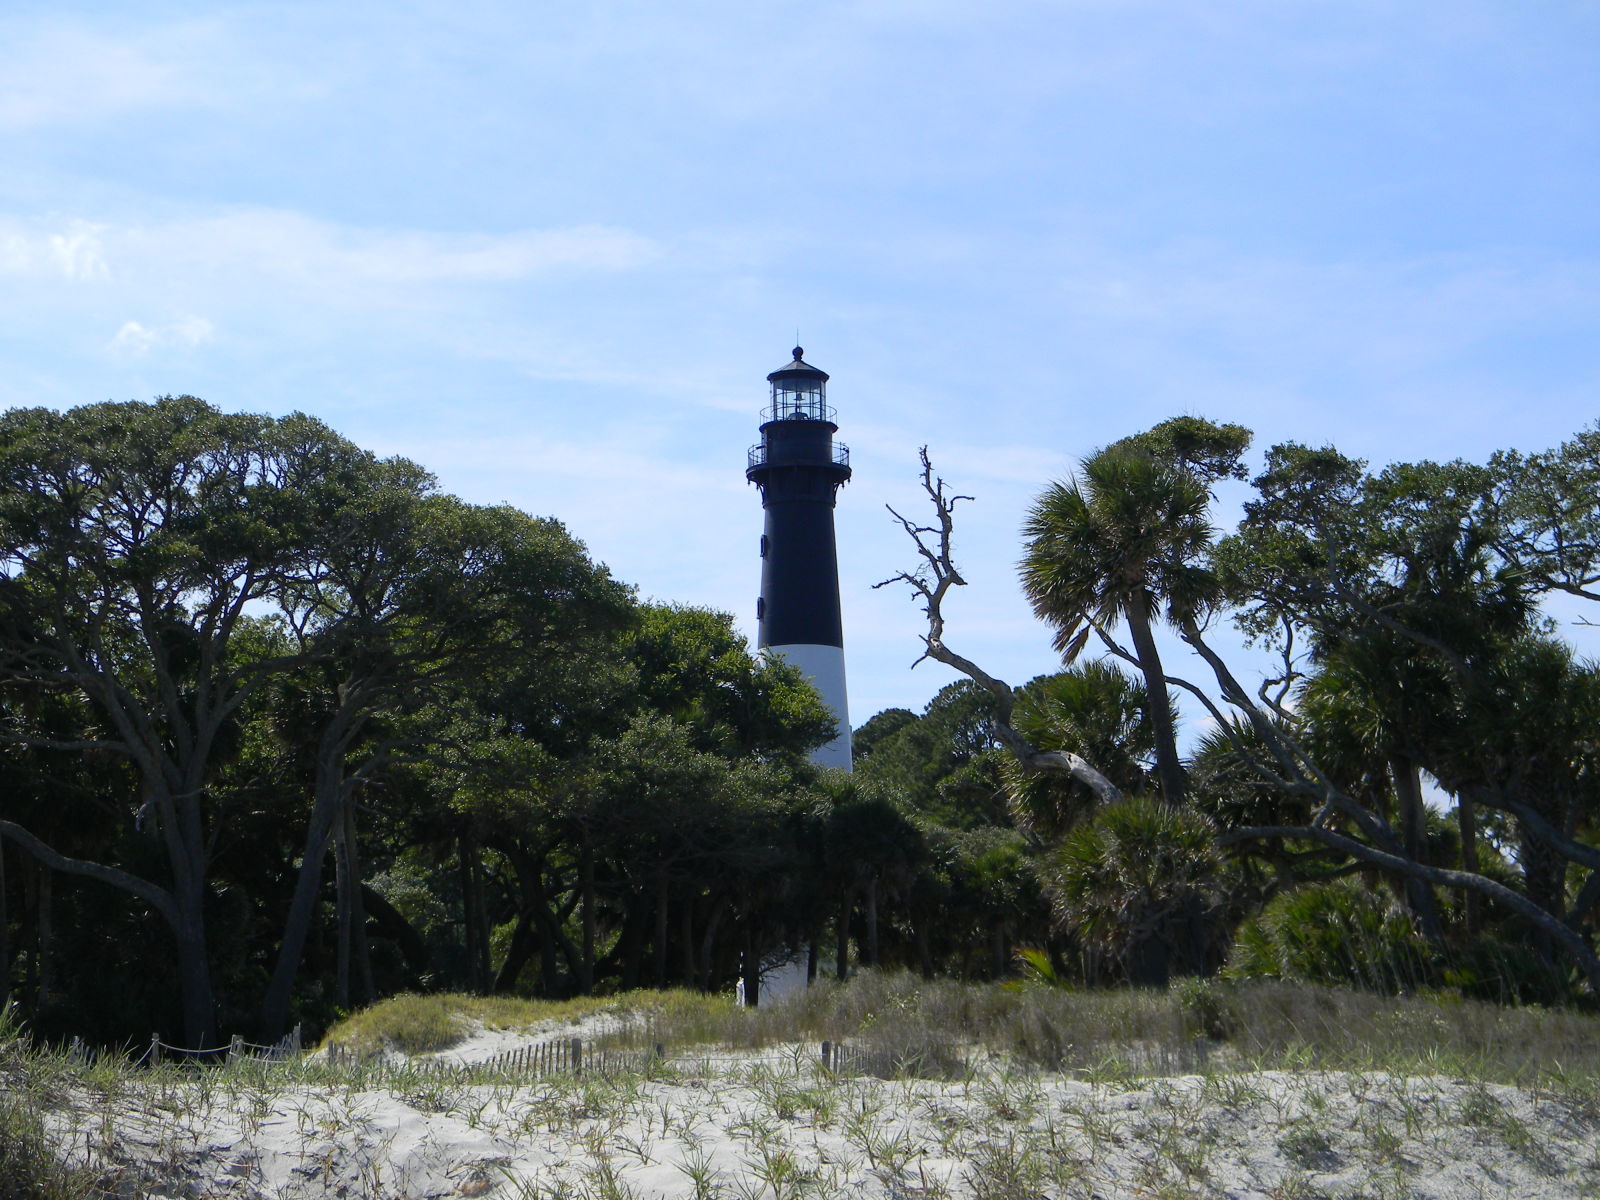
(236,1048)
(827,1056)
(155,1050)
(294,1040)
(577,1055)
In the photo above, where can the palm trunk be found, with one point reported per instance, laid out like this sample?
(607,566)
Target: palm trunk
(1467,820)
(841,961)
(1414,836)
(871,913)
(1169,767)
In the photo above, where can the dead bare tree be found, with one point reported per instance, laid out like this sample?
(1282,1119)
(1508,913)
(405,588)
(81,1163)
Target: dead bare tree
(932,581)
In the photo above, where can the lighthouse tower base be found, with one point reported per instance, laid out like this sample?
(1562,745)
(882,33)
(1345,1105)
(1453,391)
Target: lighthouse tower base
(824,667)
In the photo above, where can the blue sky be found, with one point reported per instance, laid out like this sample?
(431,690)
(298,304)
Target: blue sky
(551,251)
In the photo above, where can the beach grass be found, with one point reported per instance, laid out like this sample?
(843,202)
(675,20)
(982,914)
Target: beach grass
(984,1091)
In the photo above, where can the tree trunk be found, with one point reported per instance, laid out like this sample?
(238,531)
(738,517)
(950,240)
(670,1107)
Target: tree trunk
(302,907)
(924,951)
(841,959)
(1169,767)
(663,888)
(1467,820)
(1414,837)
(183,908)
(750,967)
(687,936)
(523,945)
(44,927)
(361,965)
(708,944)
(586,884)
(341,920)
(871,913)
(391,924)
(5,934)
(194,978)
(474,914)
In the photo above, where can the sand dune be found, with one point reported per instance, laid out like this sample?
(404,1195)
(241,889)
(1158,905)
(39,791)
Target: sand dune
(776,1125)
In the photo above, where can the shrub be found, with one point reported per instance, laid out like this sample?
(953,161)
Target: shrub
(1333,933)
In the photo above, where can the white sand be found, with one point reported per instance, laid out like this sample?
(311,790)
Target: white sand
(779,1128)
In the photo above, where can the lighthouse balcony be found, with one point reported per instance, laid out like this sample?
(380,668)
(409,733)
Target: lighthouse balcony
(762,455)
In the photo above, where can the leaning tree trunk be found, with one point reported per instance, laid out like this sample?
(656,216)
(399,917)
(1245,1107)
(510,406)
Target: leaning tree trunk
(1169,767)
(302,908)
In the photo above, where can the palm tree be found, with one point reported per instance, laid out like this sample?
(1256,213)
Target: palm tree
(1139,883)
(1112,546)
(1094,710)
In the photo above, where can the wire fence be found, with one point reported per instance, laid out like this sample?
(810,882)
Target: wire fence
(284,1049)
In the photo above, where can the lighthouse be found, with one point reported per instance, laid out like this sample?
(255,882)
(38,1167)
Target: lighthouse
(799,469)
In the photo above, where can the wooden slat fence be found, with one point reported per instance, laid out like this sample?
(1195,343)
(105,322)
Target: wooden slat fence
(562,1056)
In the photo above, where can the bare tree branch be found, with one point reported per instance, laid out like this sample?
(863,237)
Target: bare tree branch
(157,897)
(933,581)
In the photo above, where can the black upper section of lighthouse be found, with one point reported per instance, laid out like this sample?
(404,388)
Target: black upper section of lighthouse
(799,469)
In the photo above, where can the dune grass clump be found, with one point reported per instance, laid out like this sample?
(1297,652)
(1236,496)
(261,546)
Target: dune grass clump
(418,1024)
(1253,1024)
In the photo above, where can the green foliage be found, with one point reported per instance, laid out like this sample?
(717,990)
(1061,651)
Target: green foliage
(1204,449)
(1333,933)
(1138,881)
(944,763)
(1094,711)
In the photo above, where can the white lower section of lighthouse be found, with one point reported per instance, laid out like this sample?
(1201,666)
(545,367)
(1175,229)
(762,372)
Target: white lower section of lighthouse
(824,667)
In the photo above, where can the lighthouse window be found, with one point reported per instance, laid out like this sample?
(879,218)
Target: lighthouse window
(761,608)
(763,545)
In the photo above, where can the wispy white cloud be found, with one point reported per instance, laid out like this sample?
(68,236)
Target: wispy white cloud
(136,338)
(71,250)
(261,252)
